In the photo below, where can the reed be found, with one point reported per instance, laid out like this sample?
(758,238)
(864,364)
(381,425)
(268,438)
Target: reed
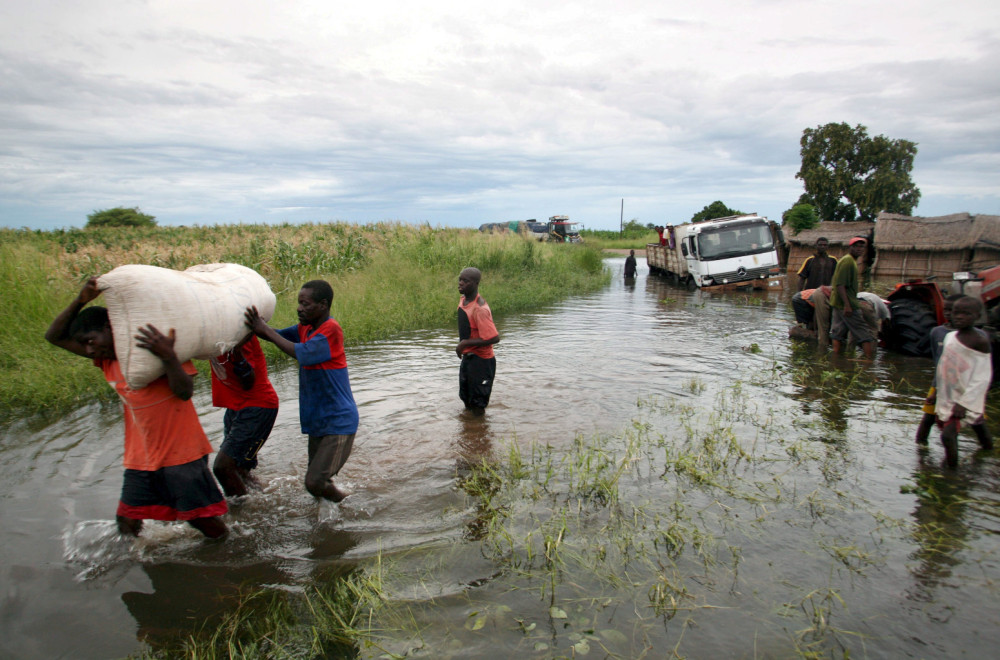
(387,278)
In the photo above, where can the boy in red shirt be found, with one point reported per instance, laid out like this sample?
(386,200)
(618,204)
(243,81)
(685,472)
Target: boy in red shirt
(166,450)
(476,334)
(240,385)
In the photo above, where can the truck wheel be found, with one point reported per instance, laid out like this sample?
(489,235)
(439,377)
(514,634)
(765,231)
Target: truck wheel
(675,279)
(910,327)
(691,284)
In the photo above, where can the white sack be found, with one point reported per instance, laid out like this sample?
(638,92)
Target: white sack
(204,304)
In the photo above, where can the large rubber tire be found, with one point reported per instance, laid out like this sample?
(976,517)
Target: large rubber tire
(691,284)
(912,322)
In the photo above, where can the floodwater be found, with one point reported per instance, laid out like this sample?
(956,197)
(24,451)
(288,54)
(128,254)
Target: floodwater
(828,533)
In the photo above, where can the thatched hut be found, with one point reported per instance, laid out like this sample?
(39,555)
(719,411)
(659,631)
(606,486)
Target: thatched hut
(986,248)
(803,245)
(908,247)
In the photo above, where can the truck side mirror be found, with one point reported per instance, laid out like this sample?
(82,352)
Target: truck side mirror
(684,248)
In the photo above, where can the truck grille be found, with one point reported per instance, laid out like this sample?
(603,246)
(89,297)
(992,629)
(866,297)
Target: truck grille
(741,275)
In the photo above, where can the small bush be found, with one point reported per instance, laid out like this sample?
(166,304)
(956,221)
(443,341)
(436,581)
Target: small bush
(800,217)
(120,217)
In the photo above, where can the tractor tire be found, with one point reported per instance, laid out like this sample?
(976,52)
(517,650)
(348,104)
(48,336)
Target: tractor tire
(911,325)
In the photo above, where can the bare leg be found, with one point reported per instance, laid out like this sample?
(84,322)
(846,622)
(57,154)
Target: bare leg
(868,348)
(983,435)
(128,526)
(924,430)
(228,475)
(327,491)
(949,438)
(822,318)
(212,527)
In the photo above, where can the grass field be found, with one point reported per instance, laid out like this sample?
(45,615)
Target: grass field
(387,277)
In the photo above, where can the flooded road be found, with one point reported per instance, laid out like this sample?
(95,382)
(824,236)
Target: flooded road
(775,502)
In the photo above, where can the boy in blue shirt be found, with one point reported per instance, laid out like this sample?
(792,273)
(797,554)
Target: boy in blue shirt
(327,412)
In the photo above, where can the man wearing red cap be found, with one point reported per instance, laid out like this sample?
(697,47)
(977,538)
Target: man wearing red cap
(847,315)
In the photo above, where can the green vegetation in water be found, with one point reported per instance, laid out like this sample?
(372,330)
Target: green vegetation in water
(387,278)
(625,544)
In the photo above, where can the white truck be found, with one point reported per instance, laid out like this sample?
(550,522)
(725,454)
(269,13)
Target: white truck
(733,252)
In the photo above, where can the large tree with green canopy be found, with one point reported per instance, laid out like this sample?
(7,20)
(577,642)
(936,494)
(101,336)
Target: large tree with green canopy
(850,176)
(714,210)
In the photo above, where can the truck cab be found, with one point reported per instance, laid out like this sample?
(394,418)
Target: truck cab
(728,250)
(563,231)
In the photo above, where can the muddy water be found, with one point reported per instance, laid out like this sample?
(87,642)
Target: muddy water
(869,543)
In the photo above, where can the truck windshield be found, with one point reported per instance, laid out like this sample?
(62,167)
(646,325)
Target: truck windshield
(734,241)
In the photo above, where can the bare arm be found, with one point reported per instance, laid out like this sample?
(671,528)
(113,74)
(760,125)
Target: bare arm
(473,343)
(264,331)
(842,292)
(162,346)
(58,332)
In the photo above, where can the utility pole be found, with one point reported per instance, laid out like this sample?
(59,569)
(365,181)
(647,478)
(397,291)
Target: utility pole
(621,220)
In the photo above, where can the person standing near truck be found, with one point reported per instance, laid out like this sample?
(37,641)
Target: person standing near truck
(476,334)
(630,265)
(817,270)
(847,315)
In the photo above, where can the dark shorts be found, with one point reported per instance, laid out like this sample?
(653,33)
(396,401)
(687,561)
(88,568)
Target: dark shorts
(475,380)
(178,492)
(327,454)
(246,431)
(854,323)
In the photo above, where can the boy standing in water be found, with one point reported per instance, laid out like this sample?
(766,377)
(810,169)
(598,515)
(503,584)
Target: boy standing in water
(963,378)
(240,385)
(327,411)
(166,450)
(937,345)
(476,334)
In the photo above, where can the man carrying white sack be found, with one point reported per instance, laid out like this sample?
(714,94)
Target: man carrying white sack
(166,450)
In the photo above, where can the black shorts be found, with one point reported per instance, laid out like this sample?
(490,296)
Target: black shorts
(475,380)
(246,431)
(177,492)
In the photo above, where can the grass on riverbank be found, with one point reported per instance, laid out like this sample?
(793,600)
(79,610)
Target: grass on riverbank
(387,277)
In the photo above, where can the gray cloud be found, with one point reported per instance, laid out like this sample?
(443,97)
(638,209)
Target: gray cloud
(458,122)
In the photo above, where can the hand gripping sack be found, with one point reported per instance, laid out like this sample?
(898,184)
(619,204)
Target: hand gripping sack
(205,304)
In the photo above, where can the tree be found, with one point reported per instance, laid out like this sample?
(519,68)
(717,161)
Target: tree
(849,176)
(634,229)
(714,210)
(800,217)
(120,217)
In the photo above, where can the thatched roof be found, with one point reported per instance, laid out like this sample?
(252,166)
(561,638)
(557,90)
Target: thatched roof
(986,231)
(838,233)
(938,234)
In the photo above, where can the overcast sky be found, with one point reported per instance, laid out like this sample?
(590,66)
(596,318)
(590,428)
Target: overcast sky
(459,113)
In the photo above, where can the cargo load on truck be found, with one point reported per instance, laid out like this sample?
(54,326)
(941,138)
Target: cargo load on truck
(561,230)
(733,252)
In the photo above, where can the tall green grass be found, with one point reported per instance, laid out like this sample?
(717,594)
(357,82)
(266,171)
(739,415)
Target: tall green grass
(387,278)
(605,240)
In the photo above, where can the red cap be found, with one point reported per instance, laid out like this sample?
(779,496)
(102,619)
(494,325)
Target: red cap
(856,239)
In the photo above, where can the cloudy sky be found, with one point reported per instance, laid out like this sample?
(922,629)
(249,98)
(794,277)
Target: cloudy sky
(462,112)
